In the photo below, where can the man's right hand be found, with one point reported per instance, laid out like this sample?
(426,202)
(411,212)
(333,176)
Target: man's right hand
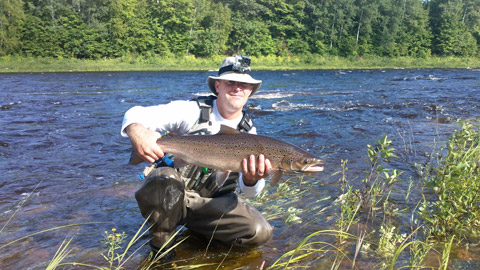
(144,142)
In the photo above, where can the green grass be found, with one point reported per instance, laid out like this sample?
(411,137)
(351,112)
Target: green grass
(11,64)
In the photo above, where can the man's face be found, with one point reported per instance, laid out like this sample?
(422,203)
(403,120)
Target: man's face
(233,95)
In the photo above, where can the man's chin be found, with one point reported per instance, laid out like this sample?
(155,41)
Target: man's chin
(237,100)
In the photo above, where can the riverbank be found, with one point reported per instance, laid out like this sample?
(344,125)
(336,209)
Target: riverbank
(191,63)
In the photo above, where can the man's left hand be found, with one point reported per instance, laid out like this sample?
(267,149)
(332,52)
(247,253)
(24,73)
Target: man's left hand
(255,169)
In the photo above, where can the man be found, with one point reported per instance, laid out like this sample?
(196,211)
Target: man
(190,195)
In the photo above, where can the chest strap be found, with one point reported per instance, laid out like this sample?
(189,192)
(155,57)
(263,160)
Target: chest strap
(205,103)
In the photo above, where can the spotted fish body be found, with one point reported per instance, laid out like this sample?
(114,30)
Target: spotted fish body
(226,150)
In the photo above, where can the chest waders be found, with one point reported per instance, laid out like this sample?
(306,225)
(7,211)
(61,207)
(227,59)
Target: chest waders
(203,180)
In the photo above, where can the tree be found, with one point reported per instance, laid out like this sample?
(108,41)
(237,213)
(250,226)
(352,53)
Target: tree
(454,23)
(39,39)
(210,28)
(317,26)
(132,30)
(11,19)
(367,13)
(250,33)
(175,18)
(340,23)
(402,29)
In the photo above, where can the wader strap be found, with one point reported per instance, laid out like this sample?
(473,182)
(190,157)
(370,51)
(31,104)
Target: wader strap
(246,123)
(206,105)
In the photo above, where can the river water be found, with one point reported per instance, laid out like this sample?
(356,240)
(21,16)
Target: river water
(64,163)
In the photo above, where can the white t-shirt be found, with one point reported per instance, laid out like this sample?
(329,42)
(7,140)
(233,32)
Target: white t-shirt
(179,117)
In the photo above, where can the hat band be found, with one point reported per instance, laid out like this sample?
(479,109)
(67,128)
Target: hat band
(230,68)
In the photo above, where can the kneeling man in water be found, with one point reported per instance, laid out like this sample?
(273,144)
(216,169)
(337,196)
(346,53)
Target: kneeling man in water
(190,195)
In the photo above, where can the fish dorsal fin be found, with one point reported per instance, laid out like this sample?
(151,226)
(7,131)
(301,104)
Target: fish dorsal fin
(225,130)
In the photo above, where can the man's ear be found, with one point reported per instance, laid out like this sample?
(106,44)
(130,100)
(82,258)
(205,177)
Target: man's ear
(217,85)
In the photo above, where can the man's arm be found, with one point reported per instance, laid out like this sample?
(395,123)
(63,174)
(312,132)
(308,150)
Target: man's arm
(144,142)
(143,124)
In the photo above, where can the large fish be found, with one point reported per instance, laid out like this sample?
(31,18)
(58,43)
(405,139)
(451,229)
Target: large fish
(226,150)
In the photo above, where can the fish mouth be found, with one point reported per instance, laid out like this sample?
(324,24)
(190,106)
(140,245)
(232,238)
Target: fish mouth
(314,167)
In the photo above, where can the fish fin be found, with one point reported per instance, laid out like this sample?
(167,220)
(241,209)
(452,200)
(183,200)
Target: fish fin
(227,130)
(135,159)
(179,163)
(221,177)
(277,175)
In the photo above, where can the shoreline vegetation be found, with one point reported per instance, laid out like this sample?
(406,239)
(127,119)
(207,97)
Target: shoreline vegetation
(12,64)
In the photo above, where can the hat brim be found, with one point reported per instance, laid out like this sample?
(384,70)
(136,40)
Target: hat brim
(236,77)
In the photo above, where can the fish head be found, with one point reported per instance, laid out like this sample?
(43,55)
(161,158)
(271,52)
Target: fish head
(302,163)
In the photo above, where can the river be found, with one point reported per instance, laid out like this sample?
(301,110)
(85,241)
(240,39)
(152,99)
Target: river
(63,161)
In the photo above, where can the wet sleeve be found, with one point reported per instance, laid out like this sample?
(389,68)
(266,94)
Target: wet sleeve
(252,191)
(176,116)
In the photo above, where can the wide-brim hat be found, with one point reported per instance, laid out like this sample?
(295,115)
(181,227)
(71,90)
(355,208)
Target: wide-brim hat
(227,72)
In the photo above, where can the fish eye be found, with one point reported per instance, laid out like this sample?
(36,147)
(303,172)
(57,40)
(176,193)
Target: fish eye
(305,161)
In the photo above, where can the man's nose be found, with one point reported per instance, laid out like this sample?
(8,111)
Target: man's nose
(237,86)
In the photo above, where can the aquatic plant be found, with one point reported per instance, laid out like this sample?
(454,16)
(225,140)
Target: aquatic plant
(310,247)
(378,179)
(113,241)
(377,184)
(355,234)
(454,208)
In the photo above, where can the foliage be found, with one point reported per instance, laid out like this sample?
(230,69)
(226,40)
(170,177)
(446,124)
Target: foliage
(357,210)
(11,16)
(355,234)
(453,31)
(455,209)
(379,180)
(91,29)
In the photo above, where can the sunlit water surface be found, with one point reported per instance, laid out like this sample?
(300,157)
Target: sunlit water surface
(60,148)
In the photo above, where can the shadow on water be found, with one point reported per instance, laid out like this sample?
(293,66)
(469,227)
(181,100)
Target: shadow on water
(62,129)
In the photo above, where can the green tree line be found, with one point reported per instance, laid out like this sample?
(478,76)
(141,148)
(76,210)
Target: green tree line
(93,29)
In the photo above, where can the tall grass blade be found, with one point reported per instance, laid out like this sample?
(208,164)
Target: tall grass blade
(48,230)
(20,207)
(304,243)
(446,254)
(60,255)
(132,242)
